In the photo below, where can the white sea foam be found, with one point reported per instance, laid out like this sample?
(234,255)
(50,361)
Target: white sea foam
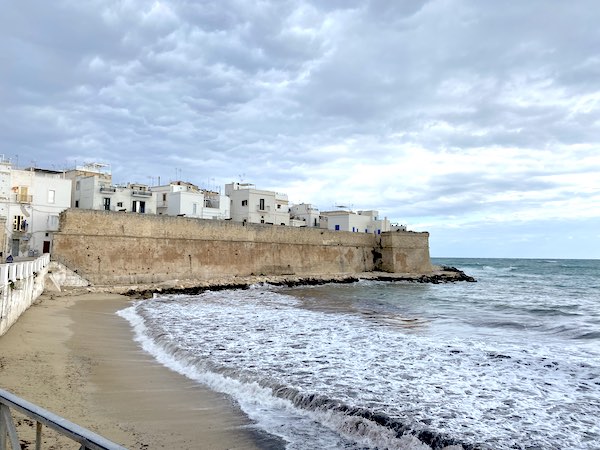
(488,387)
(276,415)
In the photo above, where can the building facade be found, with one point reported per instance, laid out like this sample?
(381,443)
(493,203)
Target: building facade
(180,198)
(31,201)
(92,188)
(306,213)
(355,222)
(252,205)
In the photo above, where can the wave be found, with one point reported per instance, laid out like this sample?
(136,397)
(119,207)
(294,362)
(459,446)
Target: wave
(290,413)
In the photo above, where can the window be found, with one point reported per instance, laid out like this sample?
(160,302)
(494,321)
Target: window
(337,228)
(52,223)
(106,203)
(278,206)
(120,204)
(164,197)
(261,204)
(51,195)
(19,223)
(244,202)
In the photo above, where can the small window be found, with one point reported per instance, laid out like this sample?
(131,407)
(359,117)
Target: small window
(244,202)
(278,206)
(19,223)
(52,223)
(120,204)
(164,197)
(51,195)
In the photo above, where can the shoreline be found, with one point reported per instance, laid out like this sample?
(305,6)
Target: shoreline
(443,274)
(72,355)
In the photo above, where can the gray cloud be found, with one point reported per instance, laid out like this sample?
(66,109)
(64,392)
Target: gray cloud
(374,102)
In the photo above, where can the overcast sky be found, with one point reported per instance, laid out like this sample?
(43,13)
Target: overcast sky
(477,121)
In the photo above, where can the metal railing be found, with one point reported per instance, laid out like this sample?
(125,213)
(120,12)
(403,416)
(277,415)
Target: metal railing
(142,193)
(88,439)
(23,198)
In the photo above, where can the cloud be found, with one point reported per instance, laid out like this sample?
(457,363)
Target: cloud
(440,111)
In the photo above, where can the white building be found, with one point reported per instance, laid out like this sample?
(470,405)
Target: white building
(306,214)
(31,201)
(252,205)
(93,189)
(356,222)
(180,198)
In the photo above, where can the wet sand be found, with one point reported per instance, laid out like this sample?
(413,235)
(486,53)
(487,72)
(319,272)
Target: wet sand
(75,357)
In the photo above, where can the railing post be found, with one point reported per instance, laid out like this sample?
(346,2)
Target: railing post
(3,277)
(38,436)
(9,427)
(2,431)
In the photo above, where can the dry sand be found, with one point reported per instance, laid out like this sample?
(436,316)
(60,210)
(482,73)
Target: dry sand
(73,356)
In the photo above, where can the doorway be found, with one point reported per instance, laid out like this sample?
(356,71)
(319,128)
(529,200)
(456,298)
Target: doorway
(15,247)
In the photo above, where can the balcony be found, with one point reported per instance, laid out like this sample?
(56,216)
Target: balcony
(23,198)
(265,208)
(141,193)
(108,189)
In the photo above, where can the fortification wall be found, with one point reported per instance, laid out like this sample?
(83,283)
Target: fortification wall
(116,248)
(405,251)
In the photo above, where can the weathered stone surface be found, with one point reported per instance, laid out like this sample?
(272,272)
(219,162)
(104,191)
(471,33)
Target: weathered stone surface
(109,248)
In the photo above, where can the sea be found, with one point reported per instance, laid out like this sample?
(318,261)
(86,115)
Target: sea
(511,361)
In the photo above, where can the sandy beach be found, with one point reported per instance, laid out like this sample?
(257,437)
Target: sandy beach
(75,357)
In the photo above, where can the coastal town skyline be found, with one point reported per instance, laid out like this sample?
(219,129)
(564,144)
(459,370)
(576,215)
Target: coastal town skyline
(477,124)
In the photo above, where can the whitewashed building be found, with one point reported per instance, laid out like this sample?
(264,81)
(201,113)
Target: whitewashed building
(306,213)
(93,189)
(356,222)
(252,205)
(31,201)
(180,198)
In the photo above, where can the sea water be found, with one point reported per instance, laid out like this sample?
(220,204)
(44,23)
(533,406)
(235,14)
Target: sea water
(511,361)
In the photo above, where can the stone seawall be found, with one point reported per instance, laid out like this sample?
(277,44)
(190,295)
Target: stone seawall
(117,248)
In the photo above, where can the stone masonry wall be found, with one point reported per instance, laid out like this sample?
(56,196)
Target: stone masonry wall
(405,252)
(118,248)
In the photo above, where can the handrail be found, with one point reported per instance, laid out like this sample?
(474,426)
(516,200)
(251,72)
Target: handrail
(88,439)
